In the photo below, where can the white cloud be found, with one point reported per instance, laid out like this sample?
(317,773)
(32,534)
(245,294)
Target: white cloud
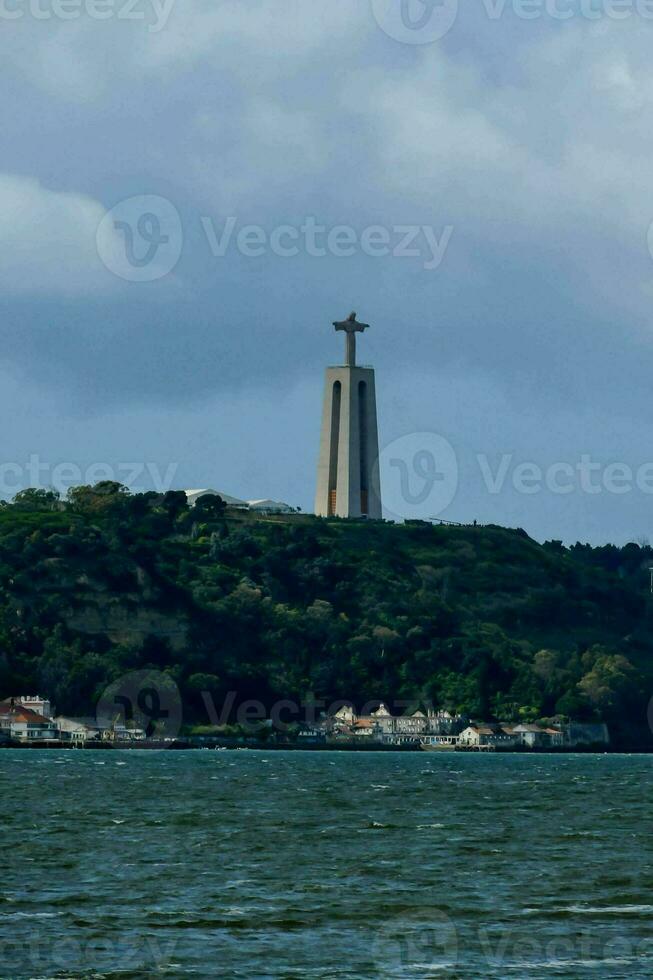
(47,240)
(290,101)
(86,59)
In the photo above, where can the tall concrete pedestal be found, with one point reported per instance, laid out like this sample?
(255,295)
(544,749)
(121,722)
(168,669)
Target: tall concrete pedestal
(348,473)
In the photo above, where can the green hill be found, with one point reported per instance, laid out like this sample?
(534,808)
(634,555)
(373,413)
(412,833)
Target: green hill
(481,620)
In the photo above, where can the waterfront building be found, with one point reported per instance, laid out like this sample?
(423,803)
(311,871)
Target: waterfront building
(34,702)
(556,736)
(476,736)
(345,715)
(364,728)
(415,723)
(442,729)
(532,736)
(443,722)
(73,730)
(24,724)
(383,719)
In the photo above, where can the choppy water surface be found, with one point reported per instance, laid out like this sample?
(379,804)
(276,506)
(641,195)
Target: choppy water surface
(306,865)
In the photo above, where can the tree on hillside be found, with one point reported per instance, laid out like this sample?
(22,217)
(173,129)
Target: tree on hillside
(210,507)
(97,499)
(609,682)
(36,499)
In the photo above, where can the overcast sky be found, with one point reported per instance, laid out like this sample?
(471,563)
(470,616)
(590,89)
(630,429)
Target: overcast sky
(509,157)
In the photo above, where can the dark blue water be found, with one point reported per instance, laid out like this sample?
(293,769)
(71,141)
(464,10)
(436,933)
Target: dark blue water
(320,865)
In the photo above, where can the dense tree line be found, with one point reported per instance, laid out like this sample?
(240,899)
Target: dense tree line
(479,620)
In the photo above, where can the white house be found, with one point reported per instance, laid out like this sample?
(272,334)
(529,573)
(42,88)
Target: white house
(192,496)
(556,736)
(35,703)
(382,719)
(532,736)
(345,715)
(474,736)
(124,734)
(413,724)
(270,507)
(72,730)
(444,722)
(487,736)
(26,725)
(363,728)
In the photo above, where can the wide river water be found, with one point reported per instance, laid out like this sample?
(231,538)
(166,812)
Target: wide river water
(324,865)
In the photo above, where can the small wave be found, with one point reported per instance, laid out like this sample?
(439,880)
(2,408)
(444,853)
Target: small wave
(591,910)
(610,909)
(567,964)
(31,915)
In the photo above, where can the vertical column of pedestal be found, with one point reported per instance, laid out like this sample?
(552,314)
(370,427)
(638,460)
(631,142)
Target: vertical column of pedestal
(348,495)
(348,472)
(373,485)
(328,465)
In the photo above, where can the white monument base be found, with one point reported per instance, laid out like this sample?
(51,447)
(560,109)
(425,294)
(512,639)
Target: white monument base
(348,472)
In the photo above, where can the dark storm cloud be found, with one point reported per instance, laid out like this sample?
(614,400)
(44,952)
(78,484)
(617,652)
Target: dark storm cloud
(528,139)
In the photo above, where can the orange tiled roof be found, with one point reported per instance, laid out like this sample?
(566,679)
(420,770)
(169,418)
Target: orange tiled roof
(27,715)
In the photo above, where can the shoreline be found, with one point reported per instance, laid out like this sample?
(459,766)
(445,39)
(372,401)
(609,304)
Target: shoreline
(183,745)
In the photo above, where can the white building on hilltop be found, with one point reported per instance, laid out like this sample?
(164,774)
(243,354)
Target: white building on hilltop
(270,507)
(263,506)
(192,496)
